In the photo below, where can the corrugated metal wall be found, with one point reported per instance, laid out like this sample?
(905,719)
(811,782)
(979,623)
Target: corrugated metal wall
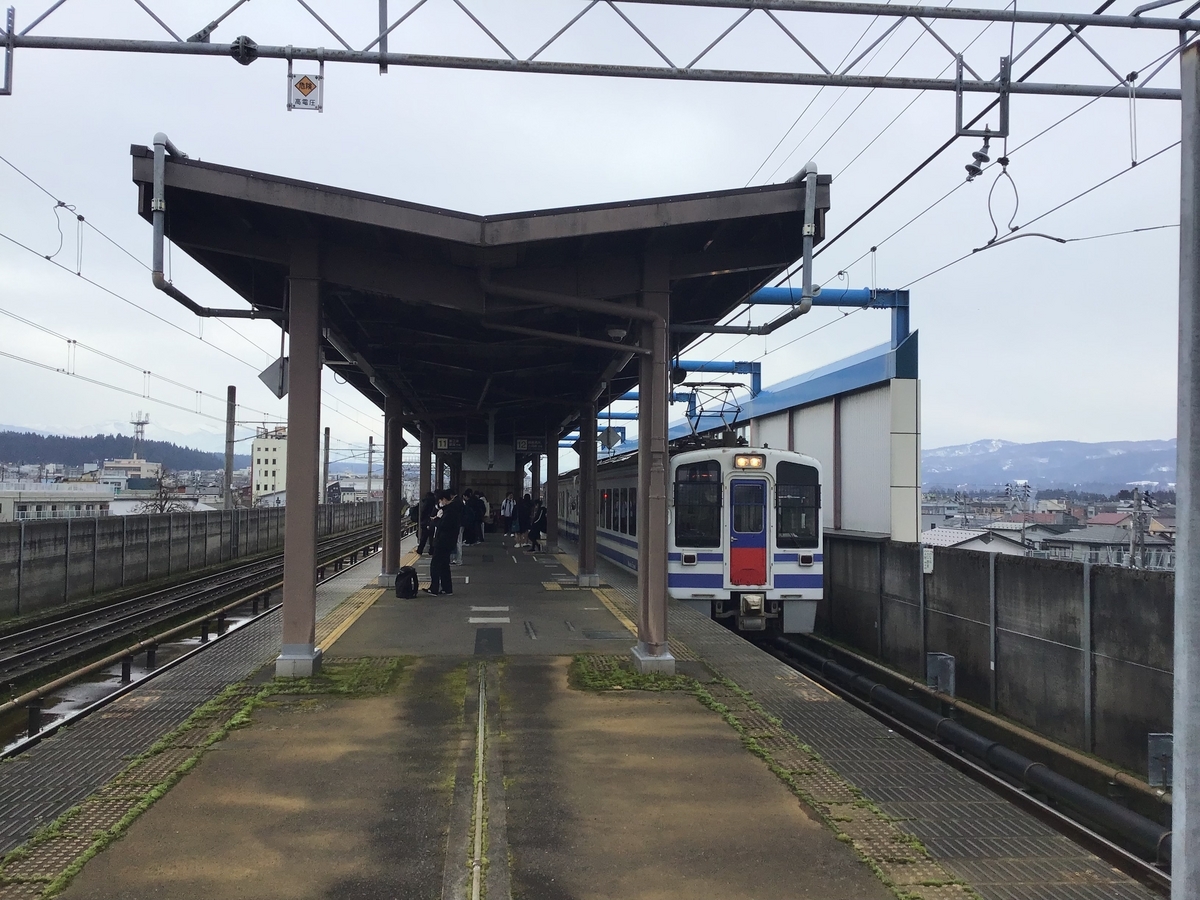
(771,431)
(866,471)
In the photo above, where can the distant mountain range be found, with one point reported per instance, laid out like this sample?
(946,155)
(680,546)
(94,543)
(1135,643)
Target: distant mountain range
(30,448)
(1104,467)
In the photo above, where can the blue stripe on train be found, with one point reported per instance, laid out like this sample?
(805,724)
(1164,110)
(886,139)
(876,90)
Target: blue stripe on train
(798,581)
(700,557)
(695,579)
(795,557)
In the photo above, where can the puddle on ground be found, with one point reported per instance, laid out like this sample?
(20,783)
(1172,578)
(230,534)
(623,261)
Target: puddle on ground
(70,700)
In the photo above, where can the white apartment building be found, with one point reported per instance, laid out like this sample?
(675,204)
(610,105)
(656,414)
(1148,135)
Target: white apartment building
(118,469)
(268,463)
(67,500)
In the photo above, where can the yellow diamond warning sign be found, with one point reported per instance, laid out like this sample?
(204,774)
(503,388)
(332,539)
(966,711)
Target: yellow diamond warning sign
(304,91)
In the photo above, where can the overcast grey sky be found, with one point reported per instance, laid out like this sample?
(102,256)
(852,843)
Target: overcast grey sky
(1031,341)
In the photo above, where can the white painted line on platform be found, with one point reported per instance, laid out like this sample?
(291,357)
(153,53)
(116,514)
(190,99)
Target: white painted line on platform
(488,620)
(514,559)
(489,609)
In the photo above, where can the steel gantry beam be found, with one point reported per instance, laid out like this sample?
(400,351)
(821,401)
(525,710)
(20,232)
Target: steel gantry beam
(375,52)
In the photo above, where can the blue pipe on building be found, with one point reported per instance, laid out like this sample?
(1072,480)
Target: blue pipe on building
(896,301)
(677,396)
(753,369)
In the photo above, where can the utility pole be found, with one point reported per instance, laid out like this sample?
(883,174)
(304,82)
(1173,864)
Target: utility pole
(370,464)
(325,471)
(1137,541)
(1185,814)
(230,419)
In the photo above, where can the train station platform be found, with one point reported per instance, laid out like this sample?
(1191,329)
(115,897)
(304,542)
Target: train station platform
(738,777)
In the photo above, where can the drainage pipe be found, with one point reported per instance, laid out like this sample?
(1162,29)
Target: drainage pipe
(809,175)
(158,210)
(1147,835)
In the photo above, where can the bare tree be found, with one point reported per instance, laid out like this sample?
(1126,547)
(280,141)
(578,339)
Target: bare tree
(165,499)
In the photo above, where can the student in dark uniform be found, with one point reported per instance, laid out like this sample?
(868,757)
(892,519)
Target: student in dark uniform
(537,527)
(429,508)
(447,522)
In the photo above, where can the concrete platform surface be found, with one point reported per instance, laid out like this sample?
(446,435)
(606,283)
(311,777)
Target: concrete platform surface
(631,794)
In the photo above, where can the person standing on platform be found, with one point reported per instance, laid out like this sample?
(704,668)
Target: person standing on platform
(478,517)
(524,512)
(507,509)
(456,500)
(447,525)
(537,527)
(429,508)
(469,517)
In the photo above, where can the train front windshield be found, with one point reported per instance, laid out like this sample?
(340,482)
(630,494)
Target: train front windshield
(798,499)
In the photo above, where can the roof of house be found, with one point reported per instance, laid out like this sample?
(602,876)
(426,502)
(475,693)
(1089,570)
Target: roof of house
(1113,535)
(953,537)
(1109,518)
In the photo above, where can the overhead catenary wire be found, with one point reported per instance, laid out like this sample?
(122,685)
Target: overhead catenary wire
(1053,51)
(133,366)
(1054,209)
(167,322)
(60,203)
(804,111)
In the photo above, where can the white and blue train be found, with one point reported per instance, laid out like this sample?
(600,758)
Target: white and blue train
(744,541)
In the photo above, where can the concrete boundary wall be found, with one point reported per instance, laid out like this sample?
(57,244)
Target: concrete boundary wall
(51,562)
(1079,653)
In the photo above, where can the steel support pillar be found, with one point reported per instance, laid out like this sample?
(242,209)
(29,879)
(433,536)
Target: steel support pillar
(230,420)
(587,497)
(324,492)
(425,467)
(1185,839)
(535,476)
(393,484)
(551,497)
(299,656)
(652,654)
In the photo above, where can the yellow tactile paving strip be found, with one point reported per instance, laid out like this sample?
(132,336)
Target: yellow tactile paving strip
(345,614)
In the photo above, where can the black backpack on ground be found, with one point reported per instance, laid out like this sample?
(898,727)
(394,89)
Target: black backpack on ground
(406,583)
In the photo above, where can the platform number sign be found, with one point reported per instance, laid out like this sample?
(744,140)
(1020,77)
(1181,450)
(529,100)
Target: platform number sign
(450,443)
(306,91)
(530,445)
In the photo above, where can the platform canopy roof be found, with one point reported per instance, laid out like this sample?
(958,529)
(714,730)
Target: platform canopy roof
(415,299)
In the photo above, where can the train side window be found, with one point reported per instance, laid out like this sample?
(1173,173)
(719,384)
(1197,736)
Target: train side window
(624,494)
(698,504)
(797,502)
(633,512)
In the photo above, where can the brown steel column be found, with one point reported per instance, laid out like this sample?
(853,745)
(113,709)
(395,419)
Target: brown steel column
(518,476)
(535,476)
(298,656)
(652,654)
(587,498)
(393,483)
(425,477)
(552,489)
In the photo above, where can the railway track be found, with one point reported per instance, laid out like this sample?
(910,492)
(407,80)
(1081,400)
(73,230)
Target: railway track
(51,645)
(1116,854)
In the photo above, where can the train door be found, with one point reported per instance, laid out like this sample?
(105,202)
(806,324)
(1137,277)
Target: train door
(748,532)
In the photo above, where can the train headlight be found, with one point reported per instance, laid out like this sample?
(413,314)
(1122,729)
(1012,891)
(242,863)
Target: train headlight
(752,604)
(748,461)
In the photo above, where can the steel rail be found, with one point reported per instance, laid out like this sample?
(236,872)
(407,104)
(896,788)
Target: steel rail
(662,73)
(45,690)
(212,582)
(1116,855)
(23,745)
(80,640)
